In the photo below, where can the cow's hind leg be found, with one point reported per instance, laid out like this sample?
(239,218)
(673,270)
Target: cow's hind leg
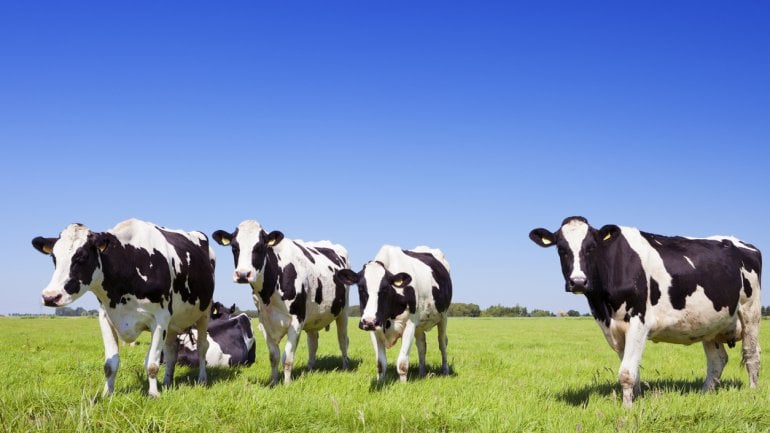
(342,337)
(442,343)
(203,345)
(111,358)
(312,349)
(716,358)
(152,363)
(750,317)
(170,351)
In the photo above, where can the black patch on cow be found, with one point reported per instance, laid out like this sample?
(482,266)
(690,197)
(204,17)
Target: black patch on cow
(228,333)
(195,279)
(305,252)
(297,307)
(716,266)
(654,292)
(390,303)
(83,264)
(319,295)
(288,282)
(332,256)
(338,303)
(620,270)
(272,272)
(442,295)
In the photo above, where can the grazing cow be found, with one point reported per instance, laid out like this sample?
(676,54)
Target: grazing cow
(293,287)
(403,293)
(146,278)
(231,340)
(641,286)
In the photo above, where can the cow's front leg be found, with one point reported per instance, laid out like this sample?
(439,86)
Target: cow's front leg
(636,339)
(274,353)
(203,345)
(312,349)
(111,358)
(381,359)
(152,363)
(402,365)
(419,338)
(292,339)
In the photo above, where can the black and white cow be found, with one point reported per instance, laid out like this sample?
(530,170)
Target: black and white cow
(231,340)
(403,294)
(146,278)
(293,287)
(642,286)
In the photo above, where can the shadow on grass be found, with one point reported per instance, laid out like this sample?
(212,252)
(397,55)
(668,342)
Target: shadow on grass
(413,375)
(580,396)
(322,364)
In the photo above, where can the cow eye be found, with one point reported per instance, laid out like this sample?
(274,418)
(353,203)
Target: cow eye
(562,251)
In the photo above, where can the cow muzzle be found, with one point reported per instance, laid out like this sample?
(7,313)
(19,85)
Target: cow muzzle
(367,325)
(52,300)
(243,277)
(577,285)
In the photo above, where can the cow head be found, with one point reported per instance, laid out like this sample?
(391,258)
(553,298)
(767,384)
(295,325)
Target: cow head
(578,245)
(76,261)
(381,294)
(249,243)
(219,311)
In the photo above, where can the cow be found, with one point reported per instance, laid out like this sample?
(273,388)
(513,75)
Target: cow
(145,277)
(293,287)
(403,294)
(642,286)
(231,340)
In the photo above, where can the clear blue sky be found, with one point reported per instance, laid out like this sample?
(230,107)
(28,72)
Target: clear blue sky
(456,125)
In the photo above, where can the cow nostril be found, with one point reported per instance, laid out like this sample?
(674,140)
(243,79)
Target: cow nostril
(52,301)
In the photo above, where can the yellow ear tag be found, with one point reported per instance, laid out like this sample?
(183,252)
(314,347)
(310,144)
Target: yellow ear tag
(545,241)
(609,235)
(214,311)
(271,242)
(47,249)
(398,283)
(225,241)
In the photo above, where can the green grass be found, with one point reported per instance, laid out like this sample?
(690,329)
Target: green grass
(549,375)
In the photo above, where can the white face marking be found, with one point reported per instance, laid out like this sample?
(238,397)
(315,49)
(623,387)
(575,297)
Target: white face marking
(574,233)
(248,237)
(373,274)
(70,240)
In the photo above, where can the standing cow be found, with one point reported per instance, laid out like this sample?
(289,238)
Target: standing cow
(644,286)
(293,287)
(231,340)
(403,293)
(146,278)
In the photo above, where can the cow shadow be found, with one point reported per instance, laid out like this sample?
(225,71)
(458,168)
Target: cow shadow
(581,396)
(391,376)
(334,363)
(189,377)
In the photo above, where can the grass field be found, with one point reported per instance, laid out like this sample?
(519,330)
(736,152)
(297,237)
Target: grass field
(549,375)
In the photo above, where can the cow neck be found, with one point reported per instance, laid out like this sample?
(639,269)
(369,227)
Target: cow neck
(272,276)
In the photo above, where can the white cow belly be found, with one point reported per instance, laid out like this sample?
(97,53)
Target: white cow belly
(697,322)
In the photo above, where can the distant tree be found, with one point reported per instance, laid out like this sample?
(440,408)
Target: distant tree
(766,311)
(354,310)
(501,311)
(573,313)
(459,309)
(541,313)
(251,313)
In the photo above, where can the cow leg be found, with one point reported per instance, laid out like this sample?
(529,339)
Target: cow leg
(402,365)
(342,337)
(378,341)
(152,363)
(292,339)
(170,352)
(419,338)
(636,339)
(111,358)
(274,352)
(203,345)
(312,349)
(750,317)
(442,343)
(716,358)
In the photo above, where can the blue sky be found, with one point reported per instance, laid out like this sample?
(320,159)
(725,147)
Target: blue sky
(459,125)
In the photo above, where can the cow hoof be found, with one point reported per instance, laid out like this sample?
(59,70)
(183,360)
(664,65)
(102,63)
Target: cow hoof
(402,377)
(153,394)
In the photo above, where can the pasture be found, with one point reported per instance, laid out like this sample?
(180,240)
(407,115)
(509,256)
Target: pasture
(529,374)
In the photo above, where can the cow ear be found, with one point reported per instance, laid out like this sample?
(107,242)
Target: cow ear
(232,309)
(346,277)
(608,233)
(274,238)
(100,241)
(542,237)
(44,245)
(222,237)
(401,280)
